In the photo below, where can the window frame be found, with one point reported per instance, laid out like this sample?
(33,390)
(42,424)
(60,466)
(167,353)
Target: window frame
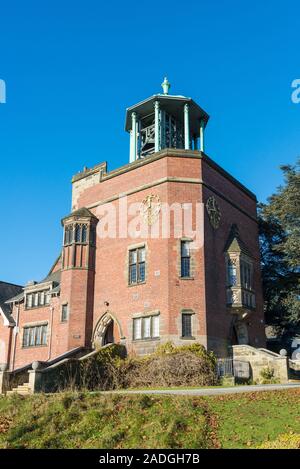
(232,265)
(35,335)
(62,317)
(185,314)
(38,299)
(143,319)
(185,257)
(137,264)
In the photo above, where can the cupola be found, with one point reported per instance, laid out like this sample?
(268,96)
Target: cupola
(165,121)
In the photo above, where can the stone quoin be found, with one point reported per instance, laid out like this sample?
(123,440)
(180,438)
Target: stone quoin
(144,290)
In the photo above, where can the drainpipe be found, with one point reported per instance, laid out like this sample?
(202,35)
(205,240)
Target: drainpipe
(50,337)
(16,328)
(8,354)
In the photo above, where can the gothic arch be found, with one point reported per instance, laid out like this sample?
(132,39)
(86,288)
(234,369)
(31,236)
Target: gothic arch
(103,324)
(238,333)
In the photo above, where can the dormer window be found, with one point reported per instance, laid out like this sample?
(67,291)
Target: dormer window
(37,299)
(28,301)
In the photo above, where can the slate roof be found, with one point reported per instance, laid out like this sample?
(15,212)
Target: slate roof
(52,277)
(81,212)
(8,290)
(235,243)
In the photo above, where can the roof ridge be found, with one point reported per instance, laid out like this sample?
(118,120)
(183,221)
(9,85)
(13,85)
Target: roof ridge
(12,284)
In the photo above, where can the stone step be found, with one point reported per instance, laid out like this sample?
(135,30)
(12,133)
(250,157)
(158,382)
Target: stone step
(23,389)
(18,391)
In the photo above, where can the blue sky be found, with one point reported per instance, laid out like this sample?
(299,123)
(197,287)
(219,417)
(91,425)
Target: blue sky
(72,67)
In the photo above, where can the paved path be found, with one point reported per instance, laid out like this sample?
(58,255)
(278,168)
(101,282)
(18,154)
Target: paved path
(212,391)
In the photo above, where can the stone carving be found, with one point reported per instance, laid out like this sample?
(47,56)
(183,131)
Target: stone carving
(150,209)
(214,213)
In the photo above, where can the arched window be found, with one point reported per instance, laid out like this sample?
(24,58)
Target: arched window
(77,234)
(67,235)
(71,234)
(84,233)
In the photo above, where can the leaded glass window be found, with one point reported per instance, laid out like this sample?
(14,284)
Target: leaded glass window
(186,324)
(64,313)
(137,265)
(185,259)
(146,327)
(84,233)
(34,336)
(232,272)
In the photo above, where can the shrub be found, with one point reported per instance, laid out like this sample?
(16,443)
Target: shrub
(187,365)
(176,368)
(268,376)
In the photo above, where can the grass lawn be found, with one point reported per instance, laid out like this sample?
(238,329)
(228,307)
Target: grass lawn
(87,420)
(249,420)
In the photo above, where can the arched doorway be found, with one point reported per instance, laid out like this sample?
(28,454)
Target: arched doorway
(239,333)
(108,337)
(107,331)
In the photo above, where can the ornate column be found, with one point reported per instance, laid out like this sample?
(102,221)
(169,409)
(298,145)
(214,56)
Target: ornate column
(202,135)
(186,127)
(157,127)
(133,138)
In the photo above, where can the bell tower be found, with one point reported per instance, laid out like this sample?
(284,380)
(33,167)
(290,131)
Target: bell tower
(165,121)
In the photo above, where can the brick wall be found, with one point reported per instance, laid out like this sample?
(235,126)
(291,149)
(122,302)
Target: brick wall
(175,177)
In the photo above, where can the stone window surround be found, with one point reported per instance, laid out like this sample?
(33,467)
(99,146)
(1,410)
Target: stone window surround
(37,288)
(72,224)
(239,290)
(239,258)
(142,316)
(65,303)
(192,260)
(191,312)
(34,324)
(132,247)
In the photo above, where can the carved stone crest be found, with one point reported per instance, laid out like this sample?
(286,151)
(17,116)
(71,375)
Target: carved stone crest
(150,209)
(214,213)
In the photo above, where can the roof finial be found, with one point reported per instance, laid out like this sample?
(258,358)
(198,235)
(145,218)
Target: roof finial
(165,86)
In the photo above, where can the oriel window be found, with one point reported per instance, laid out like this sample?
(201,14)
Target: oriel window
(232,272)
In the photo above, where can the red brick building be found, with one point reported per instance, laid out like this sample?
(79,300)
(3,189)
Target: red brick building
(164,248)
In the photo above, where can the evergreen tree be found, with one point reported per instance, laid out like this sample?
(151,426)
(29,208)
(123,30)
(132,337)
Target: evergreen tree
(280,253)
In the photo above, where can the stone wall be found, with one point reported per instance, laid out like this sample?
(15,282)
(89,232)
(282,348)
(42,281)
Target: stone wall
(260,359)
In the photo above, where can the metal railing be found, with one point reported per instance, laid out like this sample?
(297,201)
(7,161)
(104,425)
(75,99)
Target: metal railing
(229,367)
